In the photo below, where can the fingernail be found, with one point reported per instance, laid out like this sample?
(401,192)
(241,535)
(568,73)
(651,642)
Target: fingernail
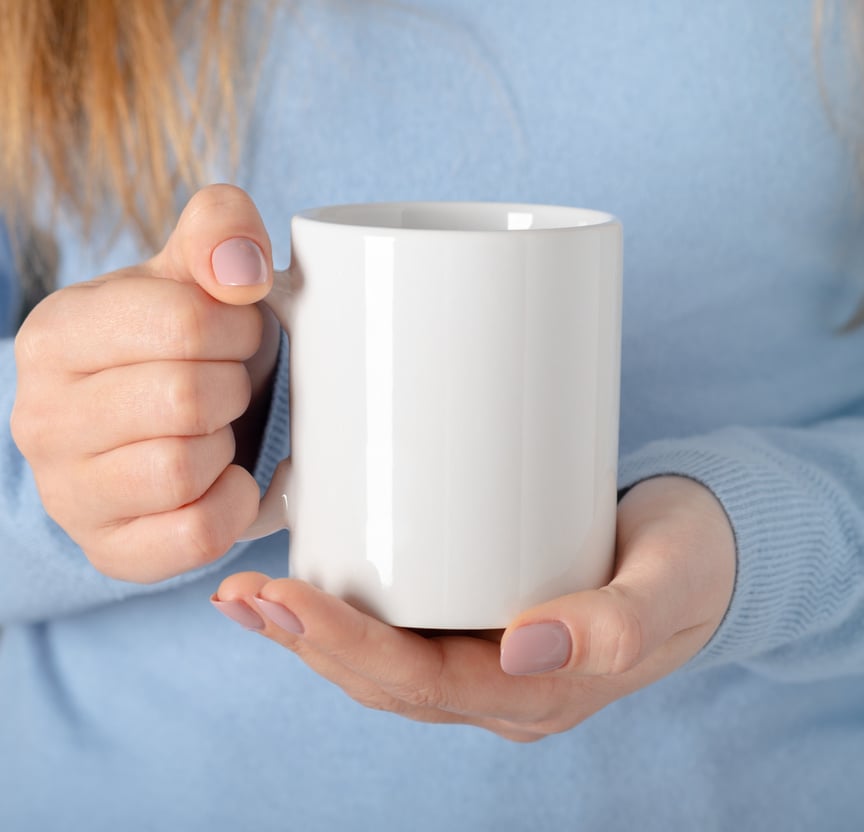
(536,648)
(242,613)
(238,262)
(280,616)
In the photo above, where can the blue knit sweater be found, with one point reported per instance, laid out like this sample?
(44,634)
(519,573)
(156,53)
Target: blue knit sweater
(701,126)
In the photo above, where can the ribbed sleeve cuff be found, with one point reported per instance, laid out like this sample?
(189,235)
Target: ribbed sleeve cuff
(275,441)
(787,576)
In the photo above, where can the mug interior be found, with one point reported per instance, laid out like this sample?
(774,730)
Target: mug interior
(458,216)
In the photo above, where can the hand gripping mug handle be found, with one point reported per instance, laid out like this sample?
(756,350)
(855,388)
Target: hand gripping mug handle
(274,510)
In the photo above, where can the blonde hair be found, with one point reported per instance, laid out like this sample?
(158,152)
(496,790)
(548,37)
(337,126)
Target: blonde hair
(115,103)
(96,99)
(838,27)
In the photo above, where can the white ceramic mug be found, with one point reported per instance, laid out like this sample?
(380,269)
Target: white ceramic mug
(454,407)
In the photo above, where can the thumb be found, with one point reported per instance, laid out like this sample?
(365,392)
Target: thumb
(674,572)
(596,632)
(221,244)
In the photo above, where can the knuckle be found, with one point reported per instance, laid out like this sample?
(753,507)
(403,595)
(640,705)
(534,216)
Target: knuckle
(193,405)
(185,325)
(424,696)
(36,340)
(359,636)
(183,397)
(23,428)
(202,536)
(53,491)
(29,347)
(174,467)
(426,689)
(374,699)
(40,422)
(623,645)
(58,503)
(104,560)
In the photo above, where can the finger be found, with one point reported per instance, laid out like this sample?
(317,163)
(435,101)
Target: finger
(598,632)
(159,546)
(91,326)
(664,585)
(221,244)
(158,398)
(459,675)
(238,599)
(154,476)
(241,586)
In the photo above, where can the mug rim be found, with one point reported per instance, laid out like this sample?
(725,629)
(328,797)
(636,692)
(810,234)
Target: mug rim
(360,215)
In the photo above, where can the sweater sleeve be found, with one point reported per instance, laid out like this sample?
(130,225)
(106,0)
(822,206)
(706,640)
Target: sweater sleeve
(795,499)
(43,574)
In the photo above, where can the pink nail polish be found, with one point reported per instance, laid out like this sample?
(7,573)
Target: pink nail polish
(238,262)
(280,616)
(237,611)
(536,648)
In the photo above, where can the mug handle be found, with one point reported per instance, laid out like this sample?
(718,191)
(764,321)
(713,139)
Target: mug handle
(273,510)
